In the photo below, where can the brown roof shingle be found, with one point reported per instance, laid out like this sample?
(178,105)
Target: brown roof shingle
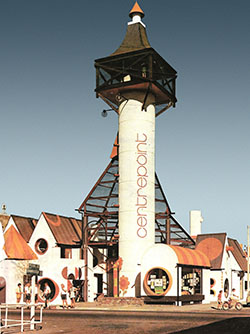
(66,230)
(4,220)
(25,226)
(238,253)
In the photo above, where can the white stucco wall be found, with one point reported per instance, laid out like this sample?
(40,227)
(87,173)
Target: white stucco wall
(162,256)
(52,266)
(13,272)
(230,270)
(206,285)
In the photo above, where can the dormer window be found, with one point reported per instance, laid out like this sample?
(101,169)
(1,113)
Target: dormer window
(41,246)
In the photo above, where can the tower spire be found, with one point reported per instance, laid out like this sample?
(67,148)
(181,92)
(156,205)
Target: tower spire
(136,10)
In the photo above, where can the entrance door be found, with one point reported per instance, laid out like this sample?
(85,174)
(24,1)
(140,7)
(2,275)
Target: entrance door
(99,288)
(110,284)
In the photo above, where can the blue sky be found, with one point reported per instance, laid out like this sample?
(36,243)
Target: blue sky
(54,142)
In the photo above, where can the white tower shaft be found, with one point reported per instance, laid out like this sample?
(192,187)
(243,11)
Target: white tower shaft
(136,188)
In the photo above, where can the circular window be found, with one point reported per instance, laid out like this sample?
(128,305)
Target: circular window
(41,246)
(53,288)
(157,282)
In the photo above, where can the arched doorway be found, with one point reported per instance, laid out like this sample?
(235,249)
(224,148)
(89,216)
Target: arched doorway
(226,287)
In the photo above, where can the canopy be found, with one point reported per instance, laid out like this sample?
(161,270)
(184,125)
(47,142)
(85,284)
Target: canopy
(187,256)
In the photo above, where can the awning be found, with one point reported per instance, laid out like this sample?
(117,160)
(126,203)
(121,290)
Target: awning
(191,257)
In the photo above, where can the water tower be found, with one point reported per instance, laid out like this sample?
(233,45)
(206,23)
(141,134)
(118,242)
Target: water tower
(139,85)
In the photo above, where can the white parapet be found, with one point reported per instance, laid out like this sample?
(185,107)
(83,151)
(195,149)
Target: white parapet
(136,188)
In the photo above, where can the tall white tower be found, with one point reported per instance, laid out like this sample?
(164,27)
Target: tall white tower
(134,81)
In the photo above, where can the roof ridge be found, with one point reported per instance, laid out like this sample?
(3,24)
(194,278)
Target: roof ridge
(63,216)
(18,216)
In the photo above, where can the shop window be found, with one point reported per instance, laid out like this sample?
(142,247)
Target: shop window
(190,281)
(41,246)
(157,282)
(66,253)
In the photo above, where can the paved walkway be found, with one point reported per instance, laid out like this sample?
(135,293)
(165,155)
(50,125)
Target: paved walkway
(151,308)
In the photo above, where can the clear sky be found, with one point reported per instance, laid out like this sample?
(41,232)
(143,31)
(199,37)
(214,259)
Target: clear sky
(53,141)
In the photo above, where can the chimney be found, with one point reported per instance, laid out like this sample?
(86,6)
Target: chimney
(195,220)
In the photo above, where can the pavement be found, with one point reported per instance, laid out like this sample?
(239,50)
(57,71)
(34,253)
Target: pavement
(58,320)
(94,306)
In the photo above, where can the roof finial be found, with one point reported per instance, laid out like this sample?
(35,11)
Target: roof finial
(3,209)
(136,14)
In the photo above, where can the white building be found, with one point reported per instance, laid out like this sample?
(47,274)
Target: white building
(228,264)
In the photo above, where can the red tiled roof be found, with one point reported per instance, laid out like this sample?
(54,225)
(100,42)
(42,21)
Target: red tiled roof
(66,230)
(16,247)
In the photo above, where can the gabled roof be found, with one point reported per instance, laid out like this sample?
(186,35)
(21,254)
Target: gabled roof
(213,246)
(16,247)
(25,226)
(238,253)
(66,230)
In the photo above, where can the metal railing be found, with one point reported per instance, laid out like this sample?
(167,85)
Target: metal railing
(9,323)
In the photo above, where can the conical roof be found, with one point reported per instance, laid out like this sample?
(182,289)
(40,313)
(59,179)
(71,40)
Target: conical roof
(136,10)
(16,247)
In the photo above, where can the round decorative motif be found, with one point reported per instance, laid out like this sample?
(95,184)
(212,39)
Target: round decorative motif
(212,247)
(157,282)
